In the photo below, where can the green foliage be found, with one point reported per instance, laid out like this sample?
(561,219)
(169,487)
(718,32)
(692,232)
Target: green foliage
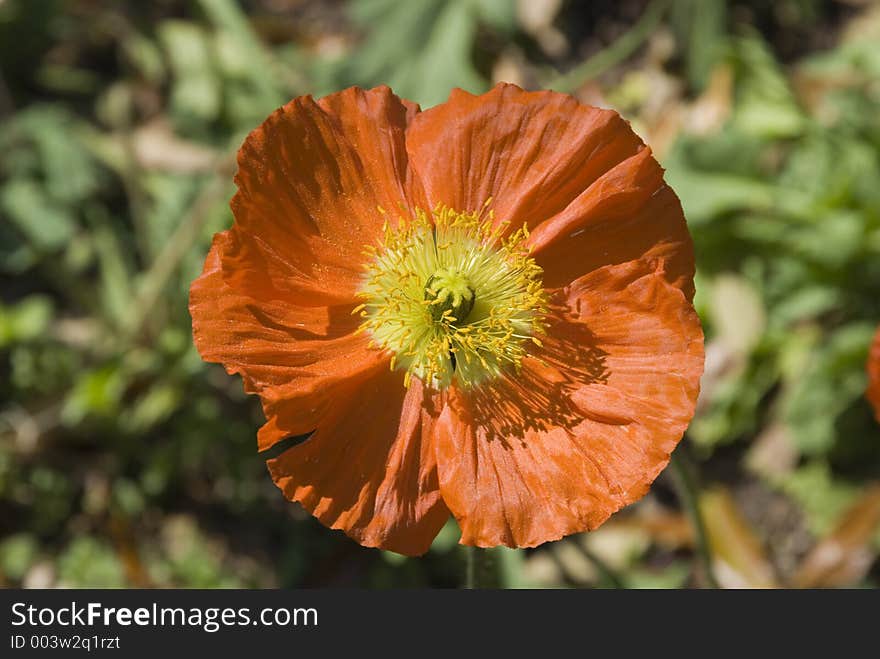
(25,321)
(765,105)
(195,94)
(90,563)
(701,26)
(821,497)
(788,199)
(17,553)
(421,49)
(125,460)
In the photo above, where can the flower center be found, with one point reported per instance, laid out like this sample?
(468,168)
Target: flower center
(450,294)
(451,298)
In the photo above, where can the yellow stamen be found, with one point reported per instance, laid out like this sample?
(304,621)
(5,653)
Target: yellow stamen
(451,298)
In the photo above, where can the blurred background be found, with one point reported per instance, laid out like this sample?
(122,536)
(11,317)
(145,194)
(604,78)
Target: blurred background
(126,461)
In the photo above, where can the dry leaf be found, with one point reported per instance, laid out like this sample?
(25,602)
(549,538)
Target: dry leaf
(844,557)
(157,147)
(536,18)
(739,560)
(773,453)
(712,108)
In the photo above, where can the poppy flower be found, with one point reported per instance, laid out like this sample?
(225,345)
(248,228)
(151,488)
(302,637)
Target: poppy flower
(481,309)
(873,392)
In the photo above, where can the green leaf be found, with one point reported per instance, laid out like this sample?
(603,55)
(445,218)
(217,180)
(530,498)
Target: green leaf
(422,48)
(96,393)
(241,56)
(144,55)
(47,226)
(43,143)
(170,195)
(152,408)
(833,242)
(17,553)
(674,575)
(700,27)
(807,302)
(115,290)
(127,497)
(499,14)
(90,563)
(832,380)
(820,495)
(195,91)
(765,104)
(26,320)
(735,406)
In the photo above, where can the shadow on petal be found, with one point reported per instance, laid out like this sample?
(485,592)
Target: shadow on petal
(538,396)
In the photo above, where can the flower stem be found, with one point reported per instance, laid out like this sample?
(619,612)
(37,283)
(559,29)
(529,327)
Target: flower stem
(605,571)
(689,498)
(478,568)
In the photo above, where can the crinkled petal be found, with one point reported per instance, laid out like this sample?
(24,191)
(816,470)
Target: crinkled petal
(280,348)
(311,180)
(628,213)
(587,424)
(369,469)
(531,153)
(873,392)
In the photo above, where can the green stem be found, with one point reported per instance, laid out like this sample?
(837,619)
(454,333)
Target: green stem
(605,571)
(615,53)
(478,568)
(689,497)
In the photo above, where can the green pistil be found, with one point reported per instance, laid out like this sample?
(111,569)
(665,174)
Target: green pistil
(449,293)
(420,297)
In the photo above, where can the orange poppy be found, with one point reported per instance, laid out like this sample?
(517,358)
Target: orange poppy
(873,393)
(481,309)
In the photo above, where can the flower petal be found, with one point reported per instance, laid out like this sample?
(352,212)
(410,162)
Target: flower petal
(310,181)
(279,347)
(369,468)
(586,427)
(532,153)
(628,213)
(873,392)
